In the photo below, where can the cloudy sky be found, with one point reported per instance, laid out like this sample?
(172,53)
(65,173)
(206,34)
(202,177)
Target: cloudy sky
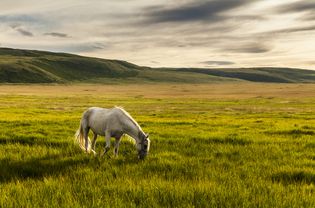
(177,33)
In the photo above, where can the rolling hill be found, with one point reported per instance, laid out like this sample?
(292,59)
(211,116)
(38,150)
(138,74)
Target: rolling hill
(30,66)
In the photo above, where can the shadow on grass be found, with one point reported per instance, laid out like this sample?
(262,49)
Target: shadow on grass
(34,141)
(54,165)
(231,141)
(37,168)
(287,178)
(293,132)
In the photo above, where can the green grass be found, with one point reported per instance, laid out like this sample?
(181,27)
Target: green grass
(23,66)
(259,74)
(249,152)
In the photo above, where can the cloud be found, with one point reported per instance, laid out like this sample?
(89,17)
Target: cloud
(300,6)
(217,63)
(283,33)
(24,32)
(19,18)
(56,34)
(17,27)
(309,16)
(83,47)
(294,29)
(166,33)
(249,48)
(155,62)
(209,10)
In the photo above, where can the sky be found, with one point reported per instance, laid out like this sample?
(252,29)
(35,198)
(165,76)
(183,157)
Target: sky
(163,33)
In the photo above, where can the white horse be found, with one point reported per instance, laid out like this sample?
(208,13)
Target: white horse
(113,122)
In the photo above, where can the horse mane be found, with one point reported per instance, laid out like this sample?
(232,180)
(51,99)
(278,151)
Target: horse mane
(129,116)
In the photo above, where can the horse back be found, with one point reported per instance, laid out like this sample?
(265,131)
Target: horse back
(101,120)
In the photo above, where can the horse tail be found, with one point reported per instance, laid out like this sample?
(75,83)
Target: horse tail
(79,138)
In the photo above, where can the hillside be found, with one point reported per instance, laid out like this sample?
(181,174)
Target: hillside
(29,66)
(38,66)
(260,74)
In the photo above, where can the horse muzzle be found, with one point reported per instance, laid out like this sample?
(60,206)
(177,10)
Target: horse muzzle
(142,155)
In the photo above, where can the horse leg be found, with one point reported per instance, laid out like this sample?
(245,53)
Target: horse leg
(94,143)
(107,139)
(86,138)
(117,141)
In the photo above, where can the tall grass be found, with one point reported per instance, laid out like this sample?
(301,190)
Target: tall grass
(256,152)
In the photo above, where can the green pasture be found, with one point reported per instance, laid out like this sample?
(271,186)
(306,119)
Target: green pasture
(257,152)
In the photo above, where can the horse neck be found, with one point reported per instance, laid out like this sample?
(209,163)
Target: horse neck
(133,130)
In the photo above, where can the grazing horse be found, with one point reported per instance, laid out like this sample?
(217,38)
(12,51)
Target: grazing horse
(113,122)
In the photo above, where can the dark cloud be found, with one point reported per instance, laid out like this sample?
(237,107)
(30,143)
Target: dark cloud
(84,47)
(250,48)
(56,34)
(217,63)
(295,29)
(19,18)
(24,32)
(300,6)
(281,32)
(155,62)
(20,22)
(98,46)
(17,27)
(209,10)
(306,7)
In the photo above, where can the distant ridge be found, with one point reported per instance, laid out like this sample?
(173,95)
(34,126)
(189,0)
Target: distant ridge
(260,74)
(32,66)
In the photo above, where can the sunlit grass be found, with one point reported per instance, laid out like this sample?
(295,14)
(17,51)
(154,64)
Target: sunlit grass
(252,152)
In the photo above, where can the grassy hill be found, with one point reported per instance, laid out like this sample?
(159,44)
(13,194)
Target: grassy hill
(267,74)
(38,66)
(30,66)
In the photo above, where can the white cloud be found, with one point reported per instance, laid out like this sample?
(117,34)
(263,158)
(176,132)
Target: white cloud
(253,33)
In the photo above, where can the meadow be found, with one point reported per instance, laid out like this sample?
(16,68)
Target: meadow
(212,145)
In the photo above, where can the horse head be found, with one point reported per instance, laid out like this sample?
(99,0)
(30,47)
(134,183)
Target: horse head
(143,145)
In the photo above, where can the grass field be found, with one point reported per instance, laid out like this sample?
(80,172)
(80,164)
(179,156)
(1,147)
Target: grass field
(220,145)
